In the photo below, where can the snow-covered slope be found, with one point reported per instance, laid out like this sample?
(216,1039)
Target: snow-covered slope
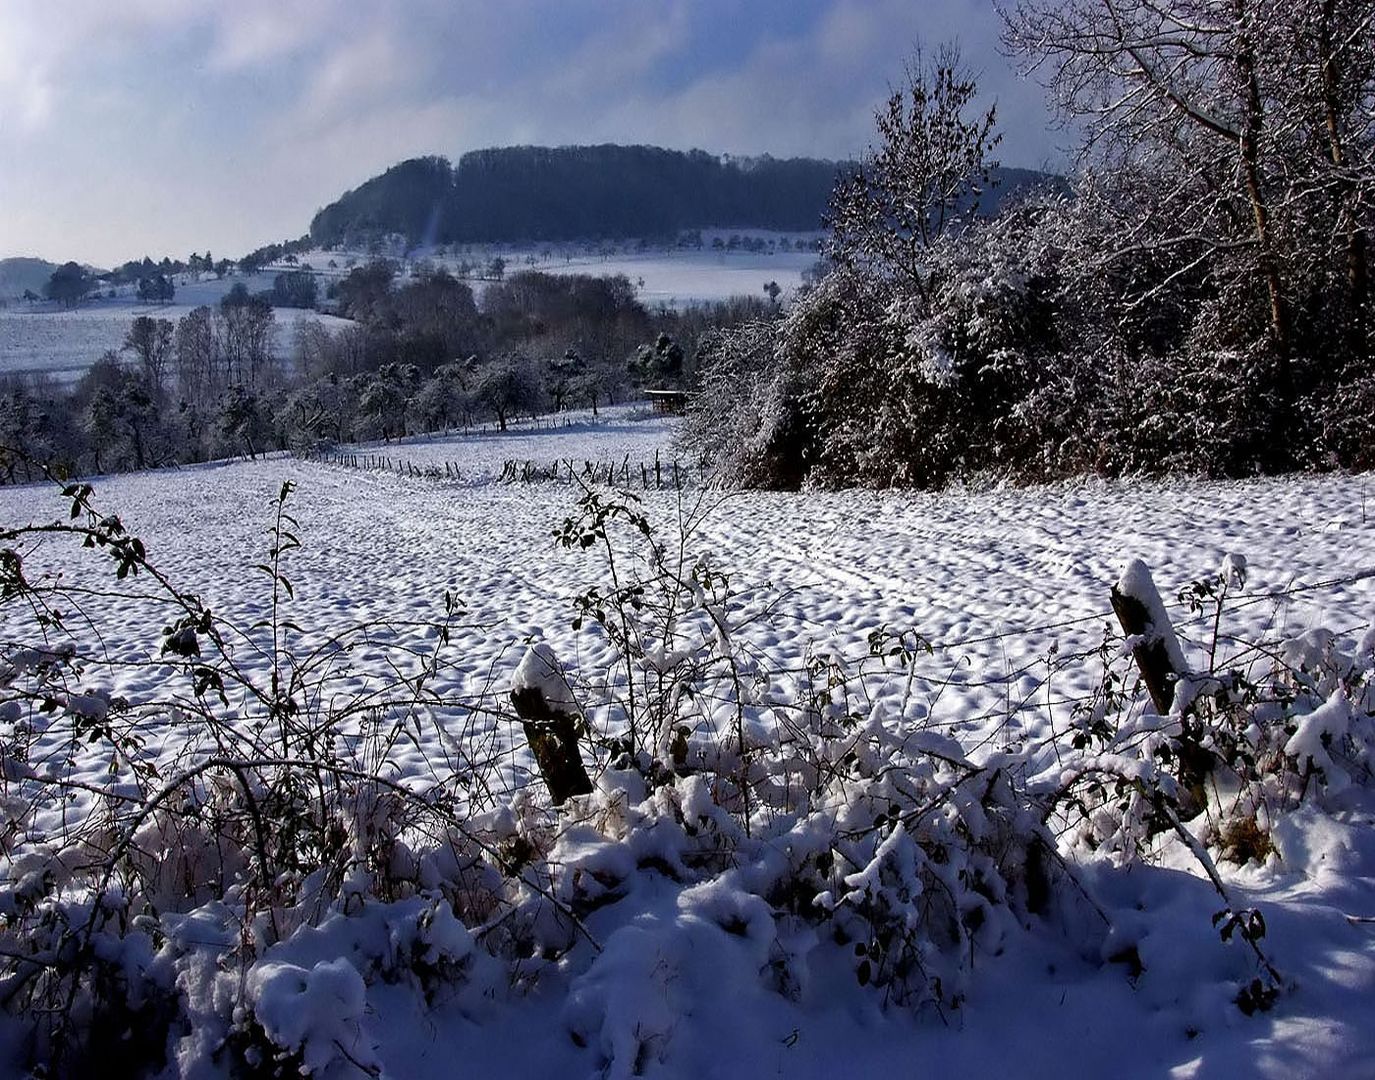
(1004,584)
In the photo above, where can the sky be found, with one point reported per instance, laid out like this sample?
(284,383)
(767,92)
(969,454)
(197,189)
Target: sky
(132,127)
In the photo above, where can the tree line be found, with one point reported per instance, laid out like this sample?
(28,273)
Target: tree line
(1198,301)
(420,354)
(534,193)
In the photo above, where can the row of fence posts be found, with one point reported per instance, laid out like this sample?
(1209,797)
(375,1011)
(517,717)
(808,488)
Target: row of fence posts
(444,470)
(552,731)
(656,474)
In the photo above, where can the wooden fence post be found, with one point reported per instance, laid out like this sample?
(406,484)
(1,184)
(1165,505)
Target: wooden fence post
(1137,605)
(548,714)
(1139,609)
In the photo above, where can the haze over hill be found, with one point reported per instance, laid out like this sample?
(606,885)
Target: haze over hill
(532,193)
(24,274)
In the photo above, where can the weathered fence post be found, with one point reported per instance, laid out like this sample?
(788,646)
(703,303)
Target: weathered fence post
(548,713)
(1139,609)
(1141,612)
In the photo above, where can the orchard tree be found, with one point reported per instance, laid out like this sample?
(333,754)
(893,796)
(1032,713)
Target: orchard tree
(244,421)
(563,374)
(386,397)
(507,386)
(444,399)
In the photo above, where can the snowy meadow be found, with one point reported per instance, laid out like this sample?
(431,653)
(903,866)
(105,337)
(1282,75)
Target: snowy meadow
(859,779)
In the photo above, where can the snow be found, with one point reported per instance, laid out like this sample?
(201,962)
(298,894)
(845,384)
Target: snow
(1317,731)
(317,1012)
(709,978)
(1136,583)
(540,671)
(62,343)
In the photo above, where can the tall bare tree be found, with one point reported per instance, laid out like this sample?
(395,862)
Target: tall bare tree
(1251,119)
(930,167)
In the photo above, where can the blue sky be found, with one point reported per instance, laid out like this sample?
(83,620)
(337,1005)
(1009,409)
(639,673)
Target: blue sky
(159,126)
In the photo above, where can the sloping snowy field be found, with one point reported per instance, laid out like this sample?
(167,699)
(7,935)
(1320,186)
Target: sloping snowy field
(63,344)
(998,581)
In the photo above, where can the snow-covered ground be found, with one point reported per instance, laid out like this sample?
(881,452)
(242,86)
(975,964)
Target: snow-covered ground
(674,277)
(684,277)
(998,581)
(62,343)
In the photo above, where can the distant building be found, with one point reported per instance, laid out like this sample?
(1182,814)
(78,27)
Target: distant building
(668,402)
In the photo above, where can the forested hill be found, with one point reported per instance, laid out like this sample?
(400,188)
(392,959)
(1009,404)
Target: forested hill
(581,192)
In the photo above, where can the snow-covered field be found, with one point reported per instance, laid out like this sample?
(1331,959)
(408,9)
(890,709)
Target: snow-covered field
(680,278)
(63,343)
(998,581)
(673,277)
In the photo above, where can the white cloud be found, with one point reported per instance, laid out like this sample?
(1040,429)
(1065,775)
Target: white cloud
(249,33)
(160,126)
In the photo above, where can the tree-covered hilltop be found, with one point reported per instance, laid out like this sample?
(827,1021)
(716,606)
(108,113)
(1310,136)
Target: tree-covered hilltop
(579,192)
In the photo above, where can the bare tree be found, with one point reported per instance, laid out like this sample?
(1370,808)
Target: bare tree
(929,169)
(197,357)
(150,340)
(1251,117)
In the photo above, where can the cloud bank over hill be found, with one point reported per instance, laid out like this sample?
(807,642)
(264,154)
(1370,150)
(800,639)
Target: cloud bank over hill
(162,127)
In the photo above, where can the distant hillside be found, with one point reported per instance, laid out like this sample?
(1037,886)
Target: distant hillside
(531,193)
(20,274)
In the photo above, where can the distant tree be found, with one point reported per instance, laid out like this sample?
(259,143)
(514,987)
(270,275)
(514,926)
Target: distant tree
(35,421)
(496,268)
(157,289)
(244,422)
(660,364)
(590,386)
(121,420)
(314,347)
(562,375)
(507,386)
(364,290)
(386,395)
(296,289)
(197,356)
(444,399)
(68,284)
(150,340)
(246,333)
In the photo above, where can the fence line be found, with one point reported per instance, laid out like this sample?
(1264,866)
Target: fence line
(444,470)
(661,473)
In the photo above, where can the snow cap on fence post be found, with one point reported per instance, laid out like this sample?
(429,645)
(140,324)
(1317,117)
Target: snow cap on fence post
(1142,614)
(548,711)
